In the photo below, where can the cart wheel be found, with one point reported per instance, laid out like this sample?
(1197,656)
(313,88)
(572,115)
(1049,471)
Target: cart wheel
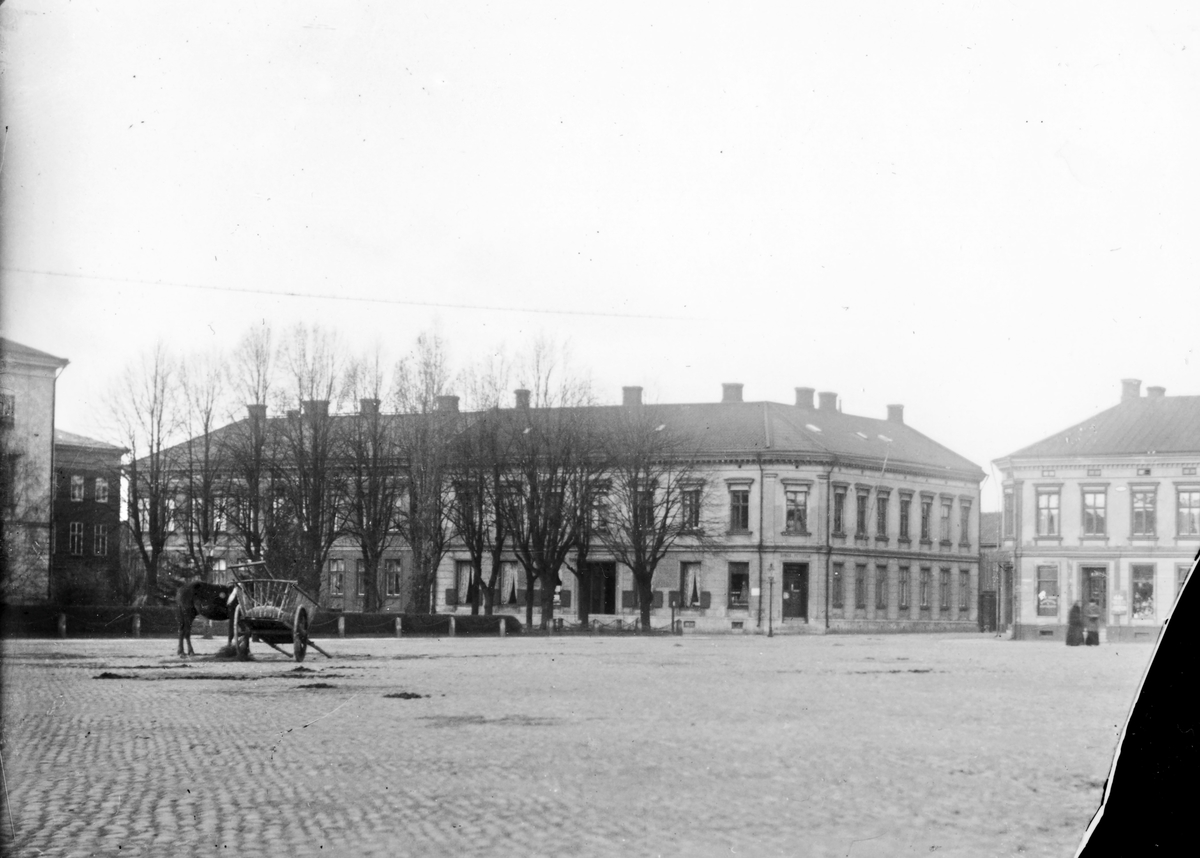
(241,640)
(300,634)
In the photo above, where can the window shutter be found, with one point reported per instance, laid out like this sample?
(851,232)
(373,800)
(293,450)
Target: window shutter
(628,599)
(564,597)
(706,599)
(658,599)
(451,597)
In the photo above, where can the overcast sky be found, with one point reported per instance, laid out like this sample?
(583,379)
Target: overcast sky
(988,213)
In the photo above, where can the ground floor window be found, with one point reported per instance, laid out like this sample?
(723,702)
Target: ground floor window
(100,546)
(689,583)
(391,570)
(1047,591)
(360,577)
(838,585)
(1181,573)
(964,590)
(1143,591)
(337,577)
(860,585)
(944,589)
(926,585)
(77,537)
(464,571)
(508,586)
(905,586)
(881,588)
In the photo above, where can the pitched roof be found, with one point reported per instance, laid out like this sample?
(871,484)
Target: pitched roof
(1137,426)
(12,349)
(70,439)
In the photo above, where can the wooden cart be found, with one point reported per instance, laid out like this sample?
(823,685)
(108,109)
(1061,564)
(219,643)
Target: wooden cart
(274,611)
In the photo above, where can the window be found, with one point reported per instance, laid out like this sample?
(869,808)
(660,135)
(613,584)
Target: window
(337,577)
(964,522)
(739,584)
(926,585)
(1143,591)
(1094,501)
(1181,573)
(905,593)
(1093,472)
(839,511)
(8,408)
(881,588)
(838,585)
(101,490)
(964,590)
(77,538)
(8,481)
(881,515)
(860,585)
(860,514)
(905,512)
(797,510)
(944,589)
(76,487)
(220,515)
(926,519)
(391,584)
(947,506)
(739,509)
(1047,591)
(1047,520)
(1189,472)
(100,540)
(360,577)
(645,513)
(1143,472)
(1008,521)
(690,509)
(1189,512)
(463,573)
(1144,519)
(509,573)
(600,513)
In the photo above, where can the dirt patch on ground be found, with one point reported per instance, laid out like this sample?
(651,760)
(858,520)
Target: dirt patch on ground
(405,695)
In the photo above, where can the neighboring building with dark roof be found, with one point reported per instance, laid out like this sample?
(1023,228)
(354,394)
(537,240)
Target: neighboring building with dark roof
(995,575)
(86,566)
(1108,509)
(27,383)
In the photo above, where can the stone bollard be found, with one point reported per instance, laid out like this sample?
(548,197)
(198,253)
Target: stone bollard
(452,627)
(208,630)
(137,625)
(399,631)
(62,625)
(503,627)
(341,627)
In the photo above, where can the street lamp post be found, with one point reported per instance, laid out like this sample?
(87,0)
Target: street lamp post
(771,602)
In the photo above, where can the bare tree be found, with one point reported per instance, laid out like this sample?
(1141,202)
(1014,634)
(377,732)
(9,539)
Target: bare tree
(146,412)
(310,486)
(423,436)
(656,493)
(369,448)
(201,382)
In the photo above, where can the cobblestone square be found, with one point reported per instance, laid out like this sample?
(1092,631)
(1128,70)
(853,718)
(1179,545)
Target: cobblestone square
(962,745)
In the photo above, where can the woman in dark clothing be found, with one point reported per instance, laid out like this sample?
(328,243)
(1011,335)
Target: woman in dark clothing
(1075,625)
(1093,624)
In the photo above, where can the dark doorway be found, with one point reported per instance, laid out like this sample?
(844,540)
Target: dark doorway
(601,590)
(988,618)
(1095,588)
(795,591)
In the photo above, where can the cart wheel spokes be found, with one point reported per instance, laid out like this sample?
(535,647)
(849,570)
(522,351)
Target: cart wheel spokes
(241,640)
(300,634)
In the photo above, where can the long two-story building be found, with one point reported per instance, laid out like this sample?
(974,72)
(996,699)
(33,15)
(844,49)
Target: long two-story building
(1105,510)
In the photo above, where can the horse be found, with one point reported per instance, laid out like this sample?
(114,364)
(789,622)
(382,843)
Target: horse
(194,598)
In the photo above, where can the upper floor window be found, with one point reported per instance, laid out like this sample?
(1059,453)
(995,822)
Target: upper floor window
(601,513)
(1009,523)
(645,513)
(8,408)
(947,507)
(1144,512)
(76,487)
(101,490)
(860,518)
(797,510)
(739,509)
(881,514)
(1189,512)
(926,519)
(1047,513)
(1094,518)
(839,510)
(905,513)
(964,523)
(690,509)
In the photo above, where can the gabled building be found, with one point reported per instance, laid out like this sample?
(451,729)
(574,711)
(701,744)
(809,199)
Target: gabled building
(1105,510)
(86,566)
(27,384)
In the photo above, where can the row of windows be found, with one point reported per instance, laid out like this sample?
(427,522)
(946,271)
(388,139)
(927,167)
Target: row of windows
(337,577)
(100,495)
(1094,512)
(904,585)
(1141,576)
(99,539)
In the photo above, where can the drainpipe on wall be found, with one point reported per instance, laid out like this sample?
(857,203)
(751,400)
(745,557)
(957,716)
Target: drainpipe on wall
(761,478)
(828,541)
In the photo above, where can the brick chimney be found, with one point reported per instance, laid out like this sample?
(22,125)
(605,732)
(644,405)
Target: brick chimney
(522,399)
(631,396)
(316,407)
(1156,392)
(368,407)
(804,397)
(827,400)
(895,413)
(731,393)
(448,404)
(258,415)
(1130,389)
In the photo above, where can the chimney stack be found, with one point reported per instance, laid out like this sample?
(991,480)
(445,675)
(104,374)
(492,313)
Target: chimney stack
(631,396)
(1156,392)
(895,413)
(804,397)
(522,399)
(827,400)
(1130,389)
(258,414)
(449,404)
(293,414)
(731,393)
(368,407)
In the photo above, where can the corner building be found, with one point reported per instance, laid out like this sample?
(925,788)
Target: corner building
(1107,509)
(823,521)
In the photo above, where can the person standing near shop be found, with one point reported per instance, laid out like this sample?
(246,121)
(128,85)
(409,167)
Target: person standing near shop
(1075,625)
(1093,624)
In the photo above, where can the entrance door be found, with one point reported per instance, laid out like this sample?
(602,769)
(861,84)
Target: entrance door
(795,591)
(601,590)
(1094,588)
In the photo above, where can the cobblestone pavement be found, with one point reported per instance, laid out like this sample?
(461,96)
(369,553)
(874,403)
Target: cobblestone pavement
(823,746)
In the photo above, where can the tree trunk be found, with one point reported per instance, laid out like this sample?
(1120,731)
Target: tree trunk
(547,606)
(645,601)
